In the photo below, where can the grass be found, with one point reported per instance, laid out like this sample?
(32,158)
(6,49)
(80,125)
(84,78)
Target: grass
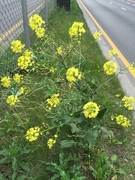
(85,149)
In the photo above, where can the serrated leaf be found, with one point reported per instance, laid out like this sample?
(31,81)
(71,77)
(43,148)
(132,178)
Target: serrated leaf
(74,128)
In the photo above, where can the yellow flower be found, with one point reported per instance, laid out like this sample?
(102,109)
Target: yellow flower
(76,30)
(128,102)
(112,52)
(17,78)
(54,100)
(123,121)
(33,133)
(110,67)
(55,136)
(73,74)
(51,142)
(52,69)
(17,46)
(91,110)
(40,32)
(21,90)
(36,22)
(5,81)
(117,95)
(97,35)
(132,68)
(25,60)
(28,53)
(59,50)
(12,100)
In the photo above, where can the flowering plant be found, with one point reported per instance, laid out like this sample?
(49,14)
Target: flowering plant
(63,106)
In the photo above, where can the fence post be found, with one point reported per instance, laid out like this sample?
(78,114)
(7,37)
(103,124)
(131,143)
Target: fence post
(53,5)
(46,12)
(25,23)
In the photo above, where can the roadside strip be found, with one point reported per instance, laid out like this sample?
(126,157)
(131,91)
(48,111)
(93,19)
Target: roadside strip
(120,55)
(13,28)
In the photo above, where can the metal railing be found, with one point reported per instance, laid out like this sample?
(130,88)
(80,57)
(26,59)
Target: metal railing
(14,16)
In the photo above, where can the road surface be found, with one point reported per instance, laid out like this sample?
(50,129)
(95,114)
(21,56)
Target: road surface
(117,18)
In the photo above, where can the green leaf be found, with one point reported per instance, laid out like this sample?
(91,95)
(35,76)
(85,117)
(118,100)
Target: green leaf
(104,130)
(67,143)
(22,177)
(74,128)
(101,114)
(55,177)
(4,152)
(2,177)
(4,160)
(121,171)
(77,114)
(114,158)
(24,166)
(14,176)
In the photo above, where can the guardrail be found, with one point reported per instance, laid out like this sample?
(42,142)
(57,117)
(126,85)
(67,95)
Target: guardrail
(14,16)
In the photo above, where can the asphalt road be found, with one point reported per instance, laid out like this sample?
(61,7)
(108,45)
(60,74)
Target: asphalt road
(117,18)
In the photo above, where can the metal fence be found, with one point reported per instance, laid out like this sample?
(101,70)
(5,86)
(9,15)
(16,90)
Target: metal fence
(14,15)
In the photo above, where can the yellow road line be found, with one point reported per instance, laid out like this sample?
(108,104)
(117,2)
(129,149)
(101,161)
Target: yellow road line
(120,55)
(18,24)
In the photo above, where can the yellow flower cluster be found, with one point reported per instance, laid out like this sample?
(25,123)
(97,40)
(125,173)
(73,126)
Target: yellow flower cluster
(53,101)
(91,110)
(59,50)
(17,78)
(112,52)
(128,102)
(25,60)
(12,100)
(132,68)
(36,22)
(97,35)
(73,74)
(110,67)
(76,30)
(17,46)
(40,32)
(52,69)
(33,133)
(21,90)
(6,81)
(123,121)
(51,142)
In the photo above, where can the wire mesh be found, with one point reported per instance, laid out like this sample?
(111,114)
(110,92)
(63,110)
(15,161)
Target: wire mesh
(11,26)
(10,21)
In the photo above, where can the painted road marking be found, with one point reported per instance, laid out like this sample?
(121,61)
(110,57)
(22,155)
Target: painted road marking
(19,23)
(120,55)
(123,8)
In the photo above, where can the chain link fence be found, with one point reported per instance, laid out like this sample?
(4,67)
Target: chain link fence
(13,13)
